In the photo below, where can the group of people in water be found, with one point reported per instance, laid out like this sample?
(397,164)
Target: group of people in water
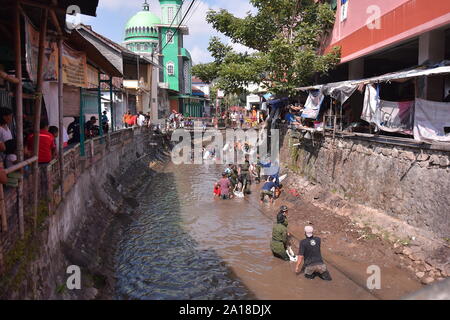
(309,248)
(236,179)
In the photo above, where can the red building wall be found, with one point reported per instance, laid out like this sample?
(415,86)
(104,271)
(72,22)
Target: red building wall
(399,20)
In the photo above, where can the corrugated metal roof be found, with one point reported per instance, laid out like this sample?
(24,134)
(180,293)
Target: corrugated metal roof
(104,56)
(394,76)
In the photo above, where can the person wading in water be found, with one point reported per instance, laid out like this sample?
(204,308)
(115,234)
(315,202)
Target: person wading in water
(224,184)
(309,252)
(280,235)
(244,176)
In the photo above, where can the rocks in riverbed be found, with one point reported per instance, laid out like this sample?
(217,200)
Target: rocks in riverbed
(427,280)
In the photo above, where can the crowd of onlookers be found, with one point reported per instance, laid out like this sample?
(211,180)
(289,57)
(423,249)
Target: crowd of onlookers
(244,118)
(8,144)
(136,120)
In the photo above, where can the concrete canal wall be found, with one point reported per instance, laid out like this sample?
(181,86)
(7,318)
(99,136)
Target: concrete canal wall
(78,229)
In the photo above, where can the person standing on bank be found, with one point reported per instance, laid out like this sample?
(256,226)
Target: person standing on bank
(280,235)
(309,252)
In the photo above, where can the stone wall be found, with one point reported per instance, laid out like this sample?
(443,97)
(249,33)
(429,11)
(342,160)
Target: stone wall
(408,183)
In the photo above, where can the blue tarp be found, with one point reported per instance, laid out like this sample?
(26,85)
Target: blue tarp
(278,103)
(267,96)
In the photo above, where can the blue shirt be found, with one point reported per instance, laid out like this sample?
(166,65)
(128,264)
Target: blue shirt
(268,186)
(290,117)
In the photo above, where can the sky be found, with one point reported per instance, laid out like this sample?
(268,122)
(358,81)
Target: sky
(112,15)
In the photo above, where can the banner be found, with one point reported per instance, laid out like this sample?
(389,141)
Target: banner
(74,67)
(71,101)
(432,121)
(50,71)
(388,116)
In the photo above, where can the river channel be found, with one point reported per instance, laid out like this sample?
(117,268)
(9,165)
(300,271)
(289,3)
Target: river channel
(184,244)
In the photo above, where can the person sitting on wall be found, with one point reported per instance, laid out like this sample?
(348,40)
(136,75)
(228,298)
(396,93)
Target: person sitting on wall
(74,130)
(91,130)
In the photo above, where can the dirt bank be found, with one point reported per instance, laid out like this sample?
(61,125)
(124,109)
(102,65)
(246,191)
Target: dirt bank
(357,237)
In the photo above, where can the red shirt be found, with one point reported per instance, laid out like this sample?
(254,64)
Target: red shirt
(46,145)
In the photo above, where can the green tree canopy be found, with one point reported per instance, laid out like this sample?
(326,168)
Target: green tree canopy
(286,36)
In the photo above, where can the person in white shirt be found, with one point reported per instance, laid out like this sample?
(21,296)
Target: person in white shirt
(6,118)
(234,119)
(141,119)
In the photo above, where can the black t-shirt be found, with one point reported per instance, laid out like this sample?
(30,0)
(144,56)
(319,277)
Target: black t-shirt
(310,250)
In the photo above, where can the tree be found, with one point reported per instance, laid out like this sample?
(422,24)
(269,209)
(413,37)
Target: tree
(287,36)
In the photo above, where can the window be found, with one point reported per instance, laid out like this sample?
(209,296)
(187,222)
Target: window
(170,14)
(344,10)
(169,37)
(170,69)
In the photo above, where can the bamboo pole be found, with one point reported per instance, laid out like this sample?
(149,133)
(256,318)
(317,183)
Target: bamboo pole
(111,101)
(82,131)
(61,116)
(99,102)
(21,165)
(55,22)
(3,211)
(37,111)
(19,114)
(9,78)
(1,257)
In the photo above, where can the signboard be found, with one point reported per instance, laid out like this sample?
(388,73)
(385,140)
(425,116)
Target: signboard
(71,101)
(344,10)
(50,71)
(92,76)
(74,67)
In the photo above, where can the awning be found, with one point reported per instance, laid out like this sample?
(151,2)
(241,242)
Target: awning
(184,96)
(344,89)
(97,53)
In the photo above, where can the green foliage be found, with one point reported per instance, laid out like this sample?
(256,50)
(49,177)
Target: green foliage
(207,72)
(286,35)
(19,259)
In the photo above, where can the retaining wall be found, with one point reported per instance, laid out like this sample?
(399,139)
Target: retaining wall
(408,183)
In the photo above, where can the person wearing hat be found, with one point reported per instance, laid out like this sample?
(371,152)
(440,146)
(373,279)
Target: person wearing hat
(280,235)
(311,256)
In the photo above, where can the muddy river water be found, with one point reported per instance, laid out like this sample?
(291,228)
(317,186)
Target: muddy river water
(184,244)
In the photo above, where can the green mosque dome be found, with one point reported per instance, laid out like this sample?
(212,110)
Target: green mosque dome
(142,25)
